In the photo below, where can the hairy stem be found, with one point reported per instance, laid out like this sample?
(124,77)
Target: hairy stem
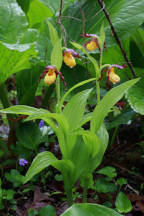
(101,3)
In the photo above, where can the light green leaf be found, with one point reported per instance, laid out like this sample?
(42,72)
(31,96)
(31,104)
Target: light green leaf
(53,34)
(108,101)
(45,159)
(14,58)
(13,22)
(87,209)
(75,108)
(92,142)
(20,109)
(38,12)
(122,203)
(56,55)
(102,36)
(135,96)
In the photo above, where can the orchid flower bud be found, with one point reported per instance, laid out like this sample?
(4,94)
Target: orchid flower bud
(50,77)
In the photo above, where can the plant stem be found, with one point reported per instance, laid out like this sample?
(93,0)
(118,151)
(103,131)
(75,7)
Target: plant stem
(114,136)
(5,100)
(58,92)
(69,196)
(84,195)
(98,91)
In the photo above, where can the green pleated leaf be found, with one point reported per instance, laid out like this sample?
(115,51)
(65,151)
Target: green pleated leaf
(27,83)
(108,101)
(53,33)
(29,135)
(87,209)
(122,203)
(75,108)
(92,141)
(13,22)
(56,55)
(45,159)
(135,96)
(14,58)
(37,13)
(20,109)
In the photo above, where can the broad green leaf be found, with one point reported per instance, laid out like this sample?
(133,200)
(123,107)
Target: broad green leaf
(37,13)
(53,34)
(29,36)
(122,203)
(14,58)
(135,96)
(43,44)
(29,135)
(20,109)
(27,83)
(102,37)
(103,138)
(122,118)
(108,101)
(56,55)
(60,131)
(45,159)
(13,22)
(104,186)
(92,141)
(24,5)
(52,4)
(75,108)
(87,209)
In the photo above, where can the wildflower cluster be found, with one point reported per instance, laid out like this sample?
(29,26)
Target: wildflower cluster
(50,73)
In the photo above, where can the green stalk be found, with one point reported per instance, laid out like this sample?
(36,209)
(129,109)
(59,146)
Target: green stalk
(98,91)
(114,136)
(5,100)
(69,196)
(58,93)
(84,195)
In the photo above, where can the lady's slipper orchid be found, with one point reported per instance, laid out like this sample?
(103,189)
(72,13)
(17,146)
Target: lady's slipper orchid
(112,76)
(50,74)
(69,59)
(92,44)
(110,73)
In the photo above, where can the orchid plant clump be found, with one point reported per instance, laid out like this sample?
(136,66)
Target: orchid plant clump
(82,150)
